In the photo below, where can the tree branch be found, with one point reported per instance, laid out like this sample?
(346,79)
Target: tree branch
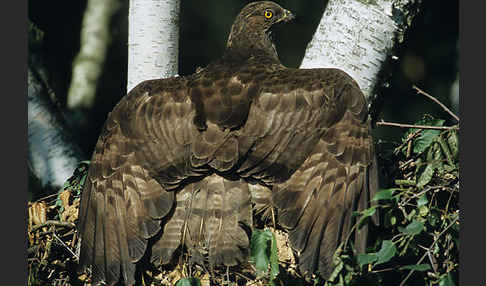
(436,101)
(54,223)
(384,123)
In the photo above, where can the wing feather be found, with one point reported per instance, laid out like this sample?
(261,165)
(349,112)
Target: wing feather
(124,198)
(316,157)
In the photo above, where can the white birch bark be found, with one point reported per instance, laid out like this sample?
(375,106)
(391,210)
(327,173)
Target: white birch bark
(153,40)
(52,155)
(88,65)
(357,36)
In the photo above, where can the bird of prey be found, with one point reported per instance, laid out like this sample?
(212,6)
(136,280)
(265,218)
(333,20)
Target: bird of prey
(181,160)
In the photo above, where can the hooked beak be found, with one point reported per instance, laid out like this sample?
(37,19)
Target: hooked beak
(288,16)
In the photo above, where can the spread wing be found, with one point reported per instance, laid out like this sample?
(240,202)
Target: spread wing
(136,161)
(152,170)
(175,160)
(307,137)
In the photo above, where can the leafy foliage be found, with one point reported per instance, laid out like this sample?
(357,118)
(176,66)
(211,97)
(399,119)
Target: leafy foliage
(417,242)
(52,249)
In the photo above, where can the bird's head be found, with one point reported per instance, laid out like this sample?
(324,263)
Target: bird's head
(251,29)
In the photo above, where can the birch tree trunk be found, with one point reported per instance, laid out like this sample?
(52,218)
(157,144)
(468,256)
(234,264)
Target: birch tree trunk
(357,36)
(52,154)
(88,64)
(153,40)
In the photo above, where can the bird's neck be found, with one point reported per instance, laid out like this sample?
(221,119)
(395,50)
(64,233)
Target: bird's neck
(244,46)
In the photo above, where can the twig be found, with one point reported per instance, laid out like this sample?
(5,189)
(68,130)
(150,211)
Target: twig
(244,277)
(416,195)
(432,245)
(431,258)
(273,218)
(436,101)
(63,244)
(383,270)
(455,127)
(46,197)
(405,182)
(54,223)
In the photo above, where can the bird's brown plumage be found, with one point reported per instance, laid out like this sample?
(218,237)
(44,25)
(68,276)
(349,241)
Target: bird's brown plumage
(177,158)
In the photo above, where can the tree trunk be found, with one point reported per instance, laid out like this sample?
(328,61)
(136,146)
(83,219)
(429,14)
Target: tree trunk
(153,40)
(52,154)
(88,64)
(358,36)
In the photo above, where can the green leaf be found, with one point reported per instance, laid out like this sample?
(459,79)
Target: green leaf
(264,253)
(423,142)
(416,267)
(188,282)
(446,150)
(426,175)
(259,251)
(413,228)
(422,200)
(423,211)
(368,212)
(446,280)
(390,218)
(366,258)
(387,251)
(273,258)
(427,136)
(411,214)
(385,194)
(432,219)
(453,142)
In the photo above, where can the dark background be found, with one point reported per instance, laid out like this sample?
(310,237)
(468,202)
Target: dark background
(429,57)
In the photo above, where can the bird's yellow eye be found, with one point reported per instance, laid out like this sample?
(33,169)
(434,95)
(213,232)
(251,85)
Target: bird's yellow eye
(268,14)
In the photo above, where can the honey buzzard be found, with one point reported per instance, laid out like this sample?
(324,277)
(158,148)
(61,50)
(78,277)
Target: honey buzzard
(180,160)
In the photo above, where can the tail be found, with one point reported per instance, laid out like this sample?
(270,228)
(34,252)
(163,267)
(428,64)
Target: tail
(211,219)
